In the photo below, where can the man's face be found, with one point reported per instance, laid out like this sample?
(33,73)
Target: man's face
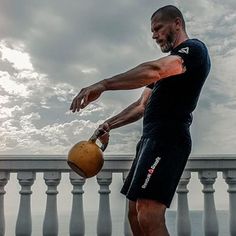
(163,33)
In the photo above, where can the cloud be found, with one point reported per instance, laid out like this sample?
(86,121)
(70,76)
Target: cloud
(18,59)
(10,86)
(50,50)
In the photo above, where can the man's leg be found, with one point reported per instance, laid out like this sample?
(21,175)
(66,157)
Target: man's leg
(133,219)
(151,217)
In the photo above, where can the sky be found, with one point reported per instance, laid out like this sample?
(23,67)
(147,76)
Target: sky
(49,50)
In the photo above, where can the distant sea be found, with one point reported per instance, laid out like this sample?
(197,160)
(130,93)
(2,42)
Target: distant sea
(196,218)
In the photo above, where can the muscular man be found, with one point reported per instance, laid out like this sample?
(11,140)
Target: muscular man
(172,85)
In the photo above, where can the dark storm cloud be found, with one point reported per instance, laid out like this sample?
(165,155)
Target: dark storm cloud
(102,34)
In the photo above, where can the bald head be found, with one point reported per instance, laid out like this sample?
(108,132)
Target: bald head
(169,13)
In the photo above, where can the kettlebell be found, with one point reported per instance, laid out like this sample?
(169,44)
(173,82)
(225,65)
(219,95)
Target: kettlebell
(86,157)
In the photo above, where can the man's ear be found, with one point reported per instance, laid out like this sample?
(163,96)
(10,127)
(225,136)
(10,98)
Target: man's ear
(178,23)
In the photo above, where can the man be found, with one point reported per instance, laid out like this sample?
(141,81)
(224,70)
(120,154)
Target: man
(172,86)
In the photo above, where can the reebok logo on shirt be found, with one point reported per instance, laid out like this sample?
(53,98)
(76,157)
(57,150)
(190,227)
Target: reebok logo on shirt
(150,172)
(184,50)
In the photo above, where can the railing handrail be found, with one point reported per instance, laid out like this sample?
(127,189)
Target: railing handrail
(113,162)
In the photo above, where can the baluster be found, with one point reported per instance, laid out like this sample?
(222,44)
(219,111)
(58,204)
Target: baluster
(77,224)
(104,225)
(24,220)
(50,223)
(211,227)
(183,219)
(230,178)
(4,177)
(127,229)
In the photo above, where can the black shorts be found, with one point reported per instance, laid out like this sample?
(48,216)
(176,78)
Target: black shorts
(156,169)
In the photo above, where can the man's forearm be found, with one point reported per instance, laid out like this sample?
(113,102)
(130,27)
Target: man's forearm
(129,115)
(137,77)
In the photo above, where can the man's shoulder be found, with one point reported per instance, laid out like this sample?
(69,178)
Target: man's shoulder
(190,48)
(193,52)
(193,44)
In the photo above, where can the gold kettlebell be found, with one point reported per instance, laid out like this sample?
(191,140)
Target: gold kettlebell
(86,157)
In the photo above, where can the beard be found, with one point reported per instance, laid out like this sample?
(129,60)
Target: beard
(169,44)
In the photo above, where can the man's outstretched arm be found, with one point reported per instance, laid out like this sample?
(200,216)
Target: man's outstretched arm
(130,114)
(145,74)
(137,77)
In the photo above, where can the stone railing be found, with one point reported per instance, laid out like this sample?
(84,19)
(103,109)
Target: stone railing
(53,166)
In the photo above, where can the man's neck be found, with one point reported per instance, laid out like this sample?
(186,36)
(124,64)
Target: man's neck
(180,39)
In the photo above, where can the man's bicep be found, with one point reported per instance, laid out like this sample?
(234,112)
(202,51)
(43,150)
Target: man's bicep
(169,66)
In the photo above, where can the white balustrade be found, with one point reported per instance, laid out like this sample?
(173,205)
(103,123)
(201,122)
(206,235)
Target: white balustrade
(211,227)
(104,225)
(50,223)
(183,218)
(77,224)
(26,168)
(4,177)
(230,178)
(24,220)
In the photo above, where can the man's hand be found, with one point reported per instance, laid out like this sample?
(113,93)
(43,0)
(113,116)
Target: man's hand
(87,95)
(105,137)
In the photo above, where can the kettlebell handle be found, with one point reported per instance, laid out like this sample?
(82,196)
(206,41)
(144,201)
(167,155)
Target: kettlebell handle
(96,135)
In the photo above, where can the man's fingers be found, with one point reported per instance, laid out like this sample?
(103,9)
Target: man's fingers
(85,101)
(81,100)
(106,134)
(77,107)
(105,127)
(71,106)
(76,104)
(104,138)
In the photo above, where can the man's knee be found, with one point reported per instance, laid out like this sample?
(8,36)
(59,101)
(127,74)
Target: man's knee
(150,213)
